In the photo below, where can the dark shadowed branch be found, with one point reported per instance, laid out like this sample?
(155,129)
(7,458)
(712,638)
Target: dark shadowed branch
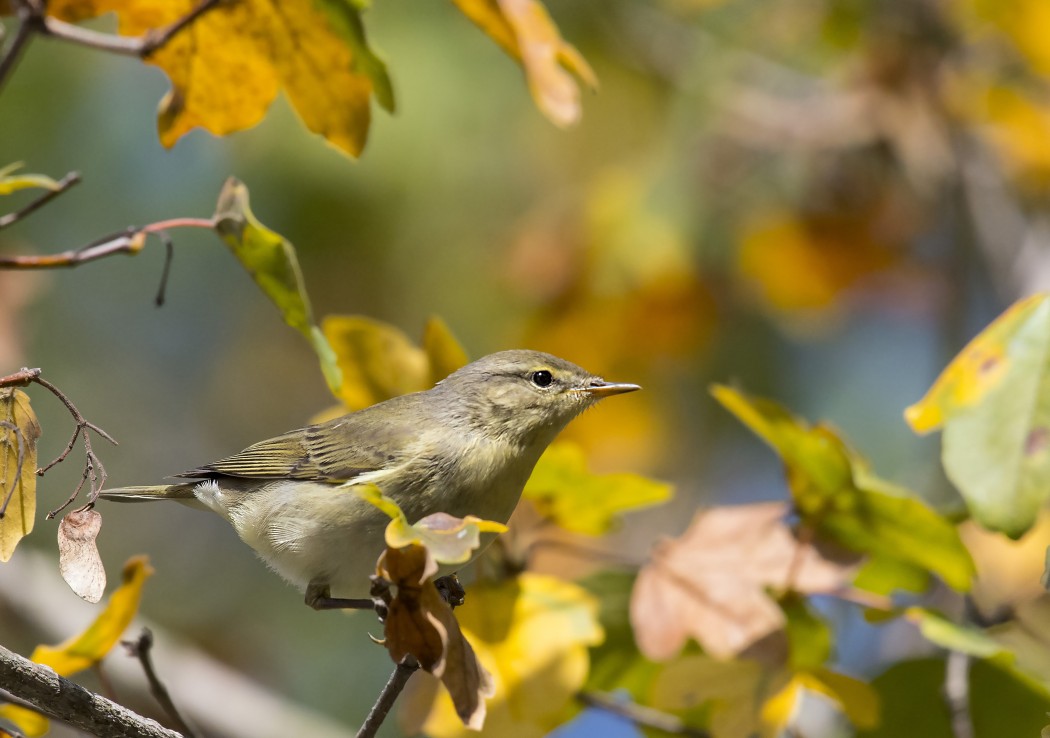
(61,699)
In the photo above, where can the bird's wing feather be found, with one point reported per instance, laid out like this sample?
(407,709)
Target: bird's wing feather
(336,451)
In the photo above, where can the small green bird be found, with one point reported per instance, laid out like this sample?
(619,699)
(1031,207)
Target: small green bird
(465,447)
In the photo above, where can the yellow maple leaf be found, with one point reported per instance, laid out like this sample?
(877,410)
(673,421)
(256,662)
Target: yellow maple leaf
(89,647)
(227,67)
(532,634)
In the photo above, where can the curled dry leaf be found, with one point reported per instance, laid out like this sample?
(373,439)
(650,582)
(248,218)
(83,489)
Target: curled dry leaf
(419,623)
(710,584)
(526,32)
(78,559)
(448,539)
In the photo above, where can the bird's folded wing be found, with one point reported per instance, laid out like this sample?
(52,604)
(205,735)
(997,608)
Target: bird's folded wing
(336,451)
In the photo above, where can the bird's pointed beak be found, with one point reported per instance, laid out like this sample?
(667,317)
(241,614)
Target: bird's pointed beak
(600,388)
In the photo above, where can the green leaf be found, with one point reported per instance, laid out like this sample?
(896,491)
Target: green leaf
(884,575)
(809,636)
(965,639)
(345,18)
(912,701)
(272,262)
(582,501)
(994,402)
(838,495)
(1005,702)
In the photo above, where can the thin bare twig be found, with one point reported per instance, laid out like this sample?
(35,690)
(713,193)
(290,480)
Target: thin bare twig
(140,648)
(27,24)
(62,185)
(398,679)
(128,241)
(93,468)
(640,715)
(35,20)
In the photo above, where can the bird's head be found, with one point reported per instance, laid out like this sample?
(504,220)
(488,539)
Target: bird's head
(524,396)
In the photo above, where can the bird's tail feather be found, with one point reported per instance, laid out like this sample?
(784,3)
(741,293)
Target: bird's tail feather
(147,494)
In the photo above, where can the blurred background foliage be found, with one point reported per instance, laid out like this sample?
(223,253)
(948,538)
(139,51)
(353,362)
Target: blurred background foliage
(819,200)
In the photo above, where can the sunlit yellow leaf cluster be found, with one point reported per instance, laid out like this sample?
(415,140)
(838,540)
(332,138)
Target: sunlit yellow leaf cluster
(90,646)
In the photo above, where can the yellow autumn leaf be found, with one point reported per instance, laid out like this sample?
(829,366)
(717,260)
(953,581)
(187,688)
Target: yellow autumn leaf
(89,647)
(524,29)
(584,502)
(11,182)
(19,431)
(857,699)
(532,634)
(378,361)
(977,369)
(227,67)
(450,540)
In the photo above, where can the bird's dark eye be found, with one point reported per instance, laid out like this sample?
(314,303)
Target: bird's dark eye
(542,378)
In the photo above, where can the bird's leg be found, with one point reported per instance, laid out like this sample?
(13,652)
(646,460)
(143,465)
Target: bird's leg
(318,596)
(451,590)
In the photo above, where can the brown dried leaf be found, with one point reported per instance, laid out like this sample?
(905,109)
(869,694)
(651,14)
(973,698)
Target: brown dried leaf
(17,468)
(524,29)
(78,559)
(710,584)
(419,623)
